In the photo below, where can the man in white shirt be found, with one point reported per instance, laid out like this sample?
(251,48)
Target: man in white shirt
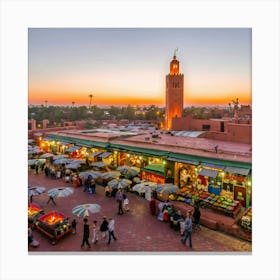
(111,228)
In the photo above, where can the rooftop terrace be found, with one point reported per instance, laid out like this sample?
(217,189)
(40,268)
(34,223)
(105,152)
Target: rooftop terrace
(160,140)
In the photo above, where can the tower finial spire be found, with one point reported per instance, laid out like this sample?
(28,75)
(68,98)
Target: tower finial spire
(175,51)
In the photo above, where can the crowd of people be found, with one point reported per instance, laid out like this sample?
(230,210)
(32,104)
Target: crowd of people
(185,224)
(106,229)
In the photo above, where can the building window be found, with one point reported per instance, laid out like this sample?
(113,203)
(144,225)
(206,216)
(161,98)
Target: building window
(206,127)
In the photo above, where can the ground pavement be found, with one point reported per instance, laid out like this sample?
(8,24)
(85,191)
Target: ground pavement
(136,231)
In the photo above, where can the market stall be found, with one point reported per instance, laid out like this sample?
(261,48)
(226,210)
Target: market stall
(34,211)
(208,200)
(54,225)
(246,220)
(154,173)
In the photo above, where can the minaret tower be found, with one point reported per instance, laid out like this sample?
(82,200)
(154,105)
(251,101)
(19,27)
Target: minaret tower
(174,100)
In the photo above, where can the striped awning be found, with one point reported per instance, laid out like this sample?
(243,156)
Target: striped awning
(237,170)
(208,173)
(105,155)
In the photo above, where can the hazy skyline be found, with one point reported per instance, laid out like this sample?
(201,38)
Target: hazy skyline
(121,66)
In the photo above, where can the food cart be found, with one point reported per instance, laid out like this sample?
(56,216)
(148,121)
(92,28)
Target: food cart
(34,211)
(54,225)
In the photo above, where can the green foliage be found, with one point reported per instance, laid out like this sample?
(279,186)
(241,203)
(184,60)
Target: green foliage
(57,114)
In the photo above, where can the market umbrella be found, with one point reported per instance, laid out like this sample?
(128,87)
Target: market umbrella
(143,186)
(32,161)
(166,188)
(128,171)
(100,164)
(60,192)
(84,209)
(94,174)
(136,180)
(78,161)
(60,156)
(47,155)
(36,190)
(73,165)
(62,161)
(119,183)
(111,175)
(34,150)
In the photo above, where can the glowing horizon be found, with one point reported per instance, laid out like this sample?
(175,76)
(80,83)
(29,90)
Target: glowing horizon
(128,66)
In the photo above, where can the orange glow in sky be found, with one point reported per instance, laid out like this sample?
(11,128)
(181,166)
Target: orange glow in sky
(128,66)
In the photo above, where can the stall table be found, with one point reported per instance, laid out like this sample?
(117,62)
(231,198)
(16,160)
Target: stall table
(54,225)
(34,211)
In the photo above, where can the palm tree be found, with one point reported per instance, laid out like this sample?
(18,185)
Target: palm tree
(46,103)
(73,103)
(90,96)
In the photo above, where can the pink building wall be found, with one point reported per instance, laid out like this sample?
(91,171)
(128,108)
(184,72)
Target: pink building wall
(32,123)
(236,131)
(47,130)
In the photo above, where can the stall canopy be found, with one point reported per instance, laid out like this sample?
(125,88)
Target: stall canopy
(240,171)
(183,161)
(212,165)
(99,164)
(72,149)
(154,168)
(208,173)
(47,139)
(95,154)
(138,150)
(77,141)
(105,155)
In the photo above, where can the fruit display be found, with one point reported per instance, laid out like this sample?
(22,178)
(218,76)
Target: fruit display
(246,220)
(207,199)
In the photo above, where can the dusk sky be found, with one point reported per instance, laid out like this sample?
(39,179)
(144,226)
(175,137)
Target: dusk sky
(122,66)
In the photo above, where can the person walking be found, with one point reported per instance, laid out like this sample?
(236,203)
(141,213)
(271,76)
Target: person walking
(188,230)
(87,183)
(86,233)
(111,228)
(52,200)
(92,187)
(196,216)
(119,199)
(74,225)
(37,168)
(104,227)
(95,232)
(125,203)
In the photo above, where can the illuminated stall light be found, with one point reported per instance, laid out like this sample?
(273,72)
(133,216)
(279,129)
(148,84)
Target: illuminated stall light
(249,183)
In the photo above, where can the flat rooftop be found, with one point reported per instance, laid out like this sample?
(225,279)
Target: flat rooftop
(160,140)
